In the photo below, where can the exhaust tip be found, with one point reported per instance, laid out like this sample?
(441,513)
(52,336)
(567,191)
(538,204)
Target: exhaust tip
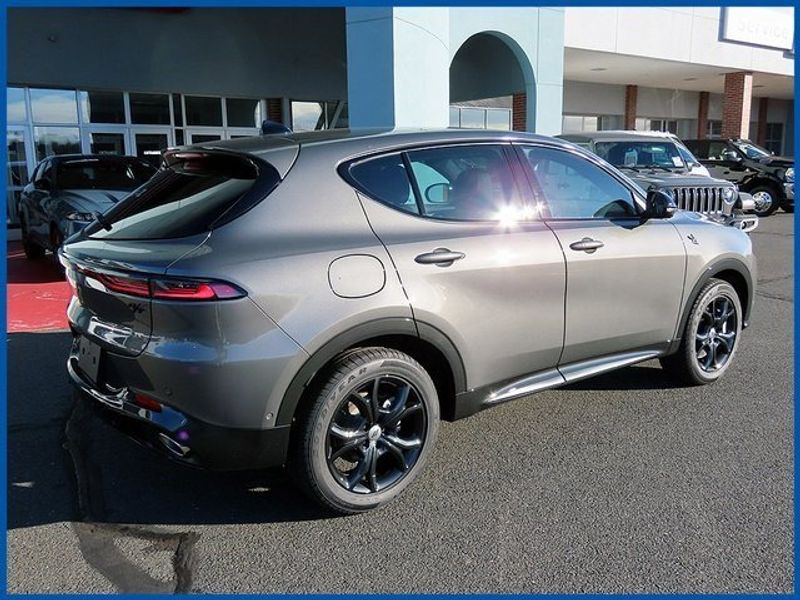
(172,446)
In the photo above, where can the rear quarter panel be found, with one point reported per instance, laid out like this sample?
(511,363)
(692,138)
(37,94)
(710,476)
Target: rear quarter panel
(280,252)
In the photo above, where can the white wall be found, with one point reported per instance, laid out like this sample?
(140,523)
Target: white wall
(683,34)
(582,98)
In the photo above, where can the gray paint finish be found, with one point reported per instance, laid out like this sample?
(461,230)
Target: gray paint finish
(520,302)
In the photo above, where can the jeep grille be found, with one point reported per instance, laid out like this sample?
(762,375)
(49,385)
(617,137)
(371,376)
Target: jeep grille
(699,199)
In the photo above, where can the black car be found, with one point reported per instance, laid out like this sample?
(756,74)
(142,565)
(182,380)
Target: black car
(756,170)
(67,191)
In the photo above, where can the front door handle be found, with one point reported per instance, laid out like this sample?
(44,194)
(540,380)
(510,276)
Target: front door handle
(441,257)
(587,245)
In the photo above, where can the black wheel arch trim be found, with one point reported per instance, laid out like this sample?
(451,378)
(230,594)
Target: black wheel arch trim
(711,271)
(387,326)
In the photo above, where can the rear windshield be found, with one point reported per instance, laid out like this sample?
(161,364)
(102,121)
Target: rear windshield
(195,192)
(102,174)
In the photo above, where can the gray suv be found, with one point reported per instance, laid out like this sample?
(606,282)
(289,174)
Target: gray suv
(321,301)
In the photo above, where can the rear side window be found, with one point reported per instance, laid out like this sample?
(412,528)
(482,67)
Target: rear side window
(194,193)
(458,182)
(385,179)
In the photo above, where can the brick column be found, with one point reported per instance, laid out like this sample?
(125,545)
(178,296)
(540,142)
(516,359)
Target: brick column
(736,104)
(631,93)
(519,108)
(761,131)
(275,110)
(702,116)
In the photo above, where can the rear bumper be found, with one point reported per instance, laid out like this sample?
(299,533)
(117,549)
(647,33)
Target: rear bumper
(183,438)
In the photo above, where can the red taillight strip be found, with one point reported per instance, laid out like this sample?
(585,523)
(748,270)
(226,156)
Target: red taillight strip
(166,288)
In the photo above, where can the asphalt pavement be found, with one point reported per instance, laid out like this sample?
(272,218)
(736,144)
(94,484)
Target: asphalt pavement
(621,483)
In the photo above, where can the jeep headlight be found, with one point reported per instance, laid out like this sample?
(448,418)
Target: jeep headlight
(729,195)
(789,175)
(83,217)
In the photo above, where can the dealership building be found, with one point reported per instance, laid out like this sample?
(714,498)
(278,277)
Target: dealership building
(135,81)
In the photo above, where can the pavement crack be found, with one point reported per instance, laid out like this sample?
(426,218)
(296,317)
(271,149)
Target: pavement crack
(127,555)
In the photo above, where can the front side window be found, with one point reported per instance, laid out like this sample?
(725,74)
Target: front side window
(472,183)
(567,186)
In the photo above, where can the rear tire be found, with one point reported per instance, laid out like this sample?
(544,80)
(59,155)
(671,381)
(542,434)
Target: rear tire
(32,250)
(767,200)
(358,443)
(710,337)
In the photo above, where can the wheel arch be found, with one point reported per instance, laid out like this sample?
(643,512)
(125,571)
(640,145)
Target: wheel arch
(423,342)
(731,270)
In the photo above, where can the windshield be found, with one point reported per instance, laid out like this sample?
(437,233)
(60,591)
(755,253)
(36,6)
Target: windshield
(751,150)
(102,174)
(640,154)
(686,155)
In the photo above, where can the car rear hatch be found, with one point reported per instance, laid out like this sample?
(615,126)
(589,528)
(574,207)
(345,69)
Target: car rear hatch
(118,265)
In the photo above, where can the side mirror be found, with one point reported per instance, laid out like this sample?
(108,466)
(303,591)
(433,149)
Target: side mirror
(659,205)
(731,156)
(437,193)
(43,184)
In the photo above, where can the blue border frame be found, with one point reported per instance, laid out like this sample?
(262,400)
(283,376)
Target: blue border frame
(5,4)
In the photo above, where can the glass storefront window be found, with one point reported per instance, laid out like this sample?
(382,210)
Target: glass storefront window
(56,140)
(454,120)
(102,107)
(244,112)
(307,116)
(15,142)
(473,118)
(16,111)
(203,110)
(498,119)
(106,143)
(54,106)
(150,109)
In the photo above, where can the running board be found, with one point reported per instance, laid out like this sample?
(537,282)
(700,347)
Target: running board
(566,374)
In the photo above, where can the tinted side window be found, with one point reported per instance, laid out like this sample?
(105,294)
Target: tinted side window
(465,182)
(571,187)
(716,150)
(385,179)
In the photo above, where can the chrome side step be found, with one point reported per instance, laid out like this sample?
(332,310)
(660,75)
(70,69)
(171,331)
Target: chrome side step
(566,374)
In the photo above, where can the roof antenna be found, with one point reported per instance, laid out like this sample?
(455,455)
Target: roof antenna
(274,128)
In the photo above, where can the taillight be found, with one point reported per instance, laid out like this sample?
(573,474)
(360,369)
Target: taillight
(172,288)
(187,289)
(131,286)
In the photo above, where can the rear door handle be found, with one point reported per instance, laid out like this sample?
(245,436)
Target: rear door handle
(587,245)
(441,257)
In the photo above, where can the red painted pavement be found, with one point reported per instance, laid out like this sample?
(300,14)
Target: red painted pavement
(37,293)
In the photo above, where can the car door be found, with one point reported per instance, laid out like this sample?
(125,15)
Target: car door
(716,155)
(471,264)
(624,275)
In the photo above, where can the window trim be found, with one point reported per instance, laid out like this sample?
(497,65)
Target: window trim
(343,168)
(638,201)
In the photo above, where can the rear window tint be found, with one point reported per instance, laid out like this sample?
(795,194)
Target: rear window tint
(385,179)
(194,193)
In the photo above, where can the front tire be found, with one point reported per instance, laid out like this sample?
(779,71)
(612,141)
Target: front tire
(710,337)
(367,431)
(767,200)
(33,251)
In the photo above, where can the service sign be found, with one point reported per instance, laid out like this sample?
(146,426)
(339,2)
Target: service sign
(772,27)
